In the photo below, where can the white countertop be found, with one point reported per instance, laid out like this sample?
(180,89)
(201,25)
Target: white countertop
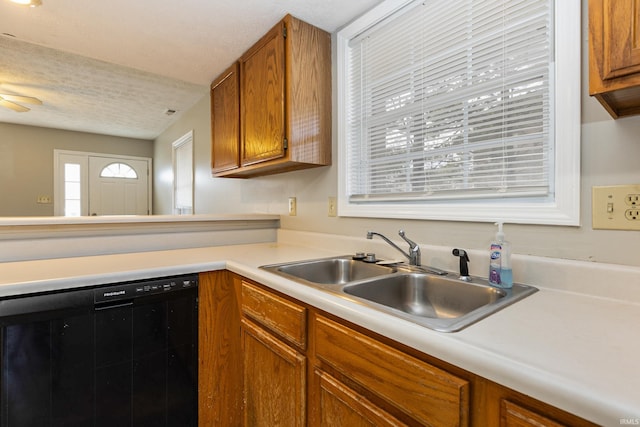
(575,351)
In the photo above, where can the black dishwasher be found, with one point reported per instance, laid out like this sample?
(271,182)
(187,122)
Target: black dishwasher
(115,355)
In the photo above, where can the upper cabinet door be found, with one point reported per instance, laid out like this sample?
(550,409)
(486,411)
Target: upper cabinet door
(614,55)
(225,121)
(621,38)
(263,99)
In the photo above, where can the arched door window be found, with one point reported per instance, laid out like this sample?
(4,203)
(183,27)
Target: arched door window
(118,170)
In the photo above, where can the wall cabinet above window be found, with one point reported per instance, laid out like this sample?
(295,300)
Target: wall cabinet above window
(271,112)
(614,55)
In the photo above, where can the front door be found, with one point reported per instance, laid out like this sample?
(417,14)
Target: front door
(118,186)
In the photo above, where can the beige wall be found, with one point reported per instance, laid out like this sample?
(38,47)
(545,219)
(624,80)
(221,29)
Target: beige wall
(26,162)
(610,155)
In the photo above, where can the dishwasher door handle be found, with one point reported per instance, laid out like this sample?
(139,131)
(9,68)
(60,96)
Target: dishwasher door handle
(113,304)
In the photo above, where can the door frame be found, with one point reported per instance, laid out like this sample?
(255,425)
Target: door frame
(83,156)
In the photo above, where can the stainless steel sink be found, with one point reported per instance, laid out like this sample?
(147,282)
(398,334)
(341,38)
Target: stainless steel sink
(330,271)
(441,303)
(426,295)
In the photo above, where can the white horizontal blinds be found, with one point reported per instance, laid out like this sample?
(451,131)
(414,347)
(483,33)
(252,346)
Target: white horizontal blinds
(184,176)
(450,99)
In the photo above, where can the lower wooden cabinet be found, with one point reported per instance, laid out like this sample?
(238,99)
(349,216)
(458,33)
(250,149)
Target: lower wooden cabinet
(274,377)
(514,415)
(339,405)
(219,348)
(426,394)
(274,332)
(269,360)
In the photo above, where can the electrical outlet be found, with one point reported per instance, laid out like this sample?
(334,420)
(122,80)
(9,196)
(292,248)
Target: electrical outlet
(333,208)
(44,200)
(633,199)
(616,207)
(293,206)
(632,214)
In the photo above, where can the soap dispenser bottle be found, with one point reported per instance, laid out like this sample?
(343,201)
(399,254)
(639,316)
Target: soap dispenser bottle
(500,273)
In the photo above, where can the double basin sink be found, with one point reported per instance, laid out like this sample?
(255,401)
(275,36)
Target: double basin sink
(440,302)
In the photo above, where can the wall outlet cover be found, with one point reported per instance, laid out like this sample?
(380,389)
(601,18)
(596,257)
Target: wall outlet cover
(616,207)
(44,200)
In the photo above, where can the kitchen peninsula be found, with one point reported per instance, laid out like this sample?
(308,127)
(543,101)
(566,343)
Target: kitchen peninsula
(548,346)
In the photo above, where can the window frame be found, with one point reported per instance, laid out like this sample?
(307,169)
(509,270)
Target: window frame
(564,209)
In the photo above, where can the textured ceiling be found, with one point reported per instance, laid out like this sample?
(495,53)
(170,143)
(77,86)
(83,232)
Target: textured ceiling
(114,67)
(88,95)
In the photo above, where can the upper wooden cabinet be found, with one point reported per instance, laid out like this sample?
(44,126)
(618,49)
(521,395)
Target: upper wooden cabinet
(225,124)
(263,99)
(284,93)
(614,55)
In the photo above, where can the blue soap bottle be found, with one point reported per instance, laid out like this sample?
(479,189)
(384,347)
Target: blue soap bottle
(500,273)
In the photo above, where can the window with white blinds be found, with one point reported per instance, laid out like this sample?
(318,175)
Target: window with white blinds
(450,101)
(183,175)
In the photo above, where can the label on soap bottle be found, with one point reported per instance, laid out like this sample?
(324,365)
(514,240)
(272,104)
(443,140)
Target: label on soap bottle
(495,264)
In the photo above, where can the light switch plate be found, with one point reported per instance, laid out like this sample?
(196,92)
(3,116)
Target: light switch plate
(616,207)
(333,207)
(293,206)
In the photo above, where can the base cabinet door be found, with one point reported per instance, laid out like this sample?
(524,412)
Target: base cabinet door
(274,380)
(339,405)
(220,364)
(514,415)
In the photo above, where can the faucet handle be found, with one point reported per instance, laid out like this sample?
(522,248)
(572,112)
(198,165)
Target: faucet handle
(414,249)
(464,259)
(406,239)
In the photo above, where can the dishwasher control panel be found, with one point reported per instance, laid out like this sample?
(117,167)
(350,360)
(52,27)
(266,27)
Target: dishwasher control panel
(124,291)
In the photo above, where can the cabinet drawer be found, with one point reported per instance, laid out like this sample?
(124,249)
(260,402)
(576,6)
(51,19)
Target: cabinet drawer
(283,317)
(426,393)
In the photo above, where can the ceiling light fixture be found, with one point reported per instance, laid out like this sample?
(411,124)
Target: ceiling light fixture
(30,3)
(10,101)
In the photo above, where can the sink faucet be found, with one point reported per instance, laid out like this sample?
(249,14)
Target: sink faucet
(464,268)
(414,249)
